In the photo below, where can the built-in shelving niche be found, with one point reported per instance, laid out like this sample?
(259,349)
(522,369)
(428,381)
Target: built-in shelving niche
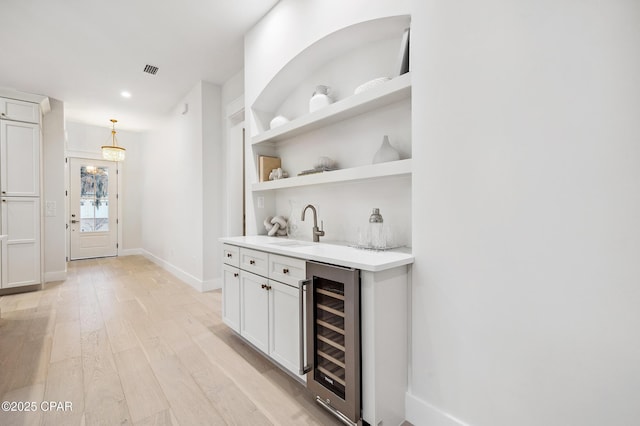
(349,131)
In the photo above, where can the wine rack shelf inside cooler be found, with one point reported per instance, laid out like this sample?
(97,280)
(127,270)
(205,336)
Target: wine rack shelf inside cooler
(330,335)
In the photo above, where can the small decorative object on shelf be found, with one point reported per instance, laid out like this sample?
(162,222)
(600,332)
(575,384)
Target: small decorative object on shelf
(320,98)
(278,174)
(278,120)
(265,166)
(276,226)
(323,164)
(386,152)
(370,84)
(403,55)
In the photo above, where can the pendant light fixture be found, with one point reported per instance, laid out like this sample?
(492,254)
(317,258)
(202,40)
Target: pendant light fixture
(113,152)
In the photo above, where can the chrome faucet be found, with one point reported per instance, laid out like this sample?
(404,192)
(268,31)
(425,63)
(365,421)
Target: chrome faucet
(317,233)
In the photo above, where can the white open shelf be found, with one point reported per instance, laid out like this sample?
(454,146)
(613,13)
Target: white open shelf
(386,93)
(391,168)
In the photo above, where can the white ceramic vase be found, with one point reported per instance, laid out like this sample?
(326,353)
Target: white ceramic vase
(386,152)
(320,98)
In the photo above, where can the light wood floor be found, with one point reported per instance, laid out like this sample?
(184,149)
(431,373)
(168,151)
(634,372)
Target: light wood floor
(128,343)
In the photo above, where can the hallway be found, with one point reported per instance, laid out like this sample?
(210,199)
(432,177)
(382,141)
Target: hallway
(125,342)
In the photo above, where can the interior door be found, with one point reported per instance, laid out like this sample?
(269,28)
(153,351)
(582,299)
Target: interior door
(93,208)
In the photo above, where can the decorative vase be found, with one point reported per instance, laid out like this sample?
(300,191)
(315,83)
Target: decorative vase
(278,120)
(320,98)
(386,152)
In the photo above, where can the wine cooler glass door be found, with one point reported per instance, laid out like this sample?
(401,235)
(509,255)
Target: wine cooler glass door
(333,337)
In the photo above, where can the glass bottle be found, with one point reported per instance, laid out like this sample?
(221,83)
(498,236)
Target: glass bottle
(376,231)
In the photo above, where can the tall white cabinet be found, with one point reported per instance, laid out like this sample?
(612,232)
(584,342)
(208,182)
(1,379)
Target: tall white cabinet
(20,220)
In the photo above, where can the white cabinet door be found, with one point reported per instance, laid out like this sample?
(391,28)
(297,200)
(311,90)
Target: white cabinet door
(21,224)
(231,297)
(3,260)
(19,159)
(12,109)
(284,325)
(254,299)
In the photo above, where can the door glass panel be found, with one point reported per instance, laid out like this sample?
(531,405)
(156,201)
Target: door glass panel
(94,199)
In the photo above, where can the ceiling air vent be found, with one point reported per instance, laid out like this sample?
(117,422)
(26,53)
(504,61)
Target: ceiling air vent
(150,69)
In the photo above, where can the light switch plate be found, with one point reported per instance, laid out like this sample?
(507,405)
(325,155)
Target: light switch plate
(50,208)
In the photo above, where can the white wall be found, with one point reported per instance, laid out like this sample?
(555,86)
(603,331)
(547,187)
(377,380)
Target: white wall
(525,286)
(84,140)
(54,232)
(181,179)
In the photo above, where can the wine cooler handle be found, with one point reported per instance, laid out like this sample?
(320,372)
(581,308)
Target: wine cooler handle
(304,369)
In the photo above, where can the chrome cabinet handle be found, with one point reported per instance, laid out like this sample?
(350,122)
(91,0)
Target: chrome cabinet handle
(304,369)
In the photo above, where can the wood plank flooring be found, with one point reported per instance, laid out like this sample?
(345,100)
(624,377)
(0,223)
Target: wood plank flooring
(127,343)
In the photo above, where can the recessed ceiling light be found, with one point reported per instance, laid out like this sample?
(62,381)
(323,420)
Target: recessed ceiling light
(125,94)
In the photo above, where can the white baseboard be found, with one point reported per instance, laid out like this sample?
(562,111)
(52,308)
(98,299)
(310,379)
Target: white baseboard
(55,276)
(421,413)
(130,252)
(184,276)
(213,284)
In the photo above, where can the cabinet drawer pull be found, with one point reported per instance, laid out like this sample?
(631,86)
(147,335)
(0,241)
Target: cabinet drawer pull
(229,255)
(263,285)
(252,262)
(285,270)
(235,274)
(268,287)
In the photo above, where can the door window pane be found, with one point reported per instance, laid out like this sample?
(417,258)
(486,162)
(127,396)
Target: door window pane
(94,199)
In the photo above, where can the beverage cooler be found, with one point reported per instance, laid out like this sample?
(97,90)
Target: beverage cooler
(333,339)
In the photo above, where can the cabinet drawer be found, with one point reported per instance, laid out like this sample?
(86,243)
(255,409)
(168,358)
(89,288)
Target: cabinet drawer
(287,270)
(231,255)
(254,261)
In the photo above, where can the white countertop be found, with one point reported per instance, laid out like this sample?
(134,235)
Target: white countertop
(334,253)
